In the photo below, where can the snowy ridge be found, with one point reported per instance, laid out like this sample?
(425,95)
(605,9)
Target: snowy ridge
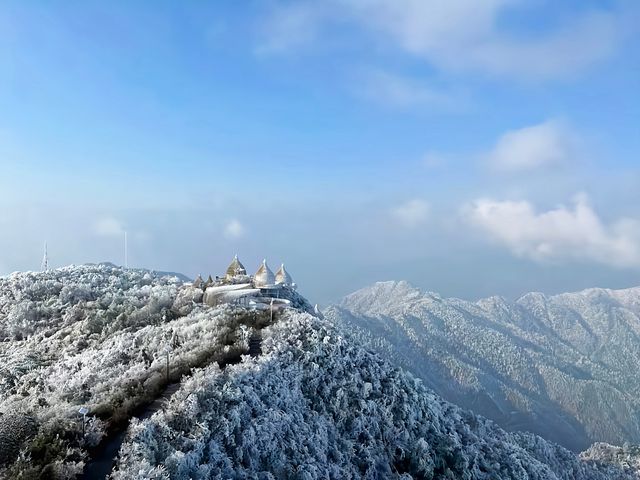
(562,366)
(317,405)
(298,399)
(100,337)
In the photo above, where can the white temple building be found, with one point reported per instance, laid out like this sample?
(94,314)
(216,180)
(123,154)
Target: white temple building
(264,277)
(262,290)
(236,273)
(283,277)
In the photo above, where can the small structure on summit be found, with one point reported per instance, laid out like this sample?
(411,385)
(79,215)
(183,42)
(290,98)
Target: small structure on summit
(264,277)
(283,277)
(263,290)
(236,273)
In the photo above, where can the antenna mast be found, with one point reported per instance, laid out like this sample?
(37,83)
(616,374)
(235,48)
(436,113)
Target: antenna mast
(45,259)
(126,252)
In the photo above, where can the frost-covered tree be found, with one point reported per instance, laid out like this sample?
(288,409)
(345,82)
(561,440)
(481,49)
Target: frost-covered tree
(563,366)
(317,405)
(15,430)
(95,336)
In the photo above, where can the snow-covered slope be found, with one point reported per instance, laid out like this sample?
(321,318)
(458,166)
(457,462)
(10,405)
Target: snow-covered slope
(317,405)
(96,336)
(627,456)
(563,366)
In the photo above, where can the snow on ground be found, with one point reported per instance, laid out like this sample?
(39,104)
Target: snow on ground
(314,405)
(563,366)
(97,336)
(317,405)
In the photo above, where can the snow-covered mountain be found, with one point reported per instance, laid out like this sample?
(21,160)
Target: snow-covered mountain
(564,366)
(309,402)
(627,456)
(317,405)
(100,337)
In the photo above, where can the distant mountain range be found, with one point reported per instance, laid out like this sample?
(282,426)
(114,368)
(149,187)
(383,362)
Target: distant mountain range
(564,367)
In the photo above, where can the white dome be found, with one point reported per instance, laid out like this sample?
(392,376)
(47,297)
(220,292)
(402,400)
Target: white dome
(264,276)
(235,269)
(283,277)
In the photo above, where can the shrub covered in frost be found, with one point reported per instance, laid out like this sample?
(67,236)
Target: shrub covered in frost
(563,367)
(627,456)
(97,336)
(316,405)
(15,429)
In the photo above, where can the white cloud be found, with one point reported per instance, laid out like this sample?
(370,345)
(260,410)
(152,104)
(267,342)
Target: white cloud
(108,227)
(459,34)
(401,92)
(563,233)
(292,26)
(234,229)
(412,213)
(547,144)
(464,34)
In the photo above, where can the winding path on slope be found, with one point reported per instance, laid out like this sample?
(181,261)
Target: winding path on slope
(103,457)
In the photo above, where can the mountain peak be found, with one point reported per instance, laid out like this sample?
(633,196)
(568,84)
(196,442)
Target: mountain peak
(381,296)
(516,361)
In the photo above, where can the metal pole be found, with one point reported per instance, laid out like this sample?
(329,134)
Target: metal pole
(83,411)
(45,259)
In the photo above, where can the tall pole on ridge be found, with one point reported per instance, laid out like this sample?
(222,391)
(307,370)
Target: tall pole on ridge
(126,252)
(45,259)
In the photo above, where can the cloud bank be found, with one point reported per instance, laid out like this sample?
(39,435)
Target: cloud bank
(564,233)
(458,34)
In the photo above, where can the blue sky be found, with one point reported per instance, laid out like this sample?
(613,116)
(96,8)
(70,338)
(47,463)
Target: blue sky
(472,147)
